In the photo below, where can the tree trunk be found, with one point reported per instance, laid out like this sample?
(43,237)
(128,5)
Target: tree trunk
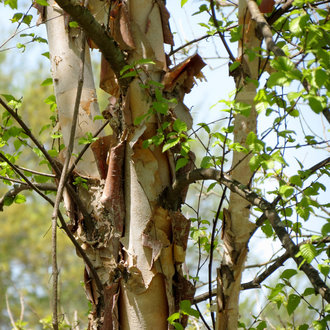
(135,246)
(236,225)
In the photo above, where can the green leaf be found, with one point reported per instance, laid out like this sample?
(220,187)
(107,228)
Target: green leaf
(297,24)
(296,180)
(325,229)
(17,17)
(324,269)
(42,2)
(316,103)
(185,308)
(160,107)
(20,199)
(179,126)
(262,325)
(183,2)
(11,3)
(206,162)
(243,108)
(8,201)
(27,19)
(53,152)
(173,317)
(288,273)
(308,252)
(181,162)
(234,66)
(47,82)
(267,229)
(170,143)
(308,292)
(278,79)
(73,24)
(286,191)
(293,303)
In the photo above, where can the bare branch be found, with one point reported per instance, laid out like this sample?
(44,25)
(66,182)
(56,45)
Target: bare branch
(215,21)
(278,13)
(99,35)
(12,193)
(264,28)
(267,208)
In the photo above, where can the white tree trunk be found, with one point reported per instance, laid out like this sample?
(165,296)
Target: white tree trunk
(65,45)
(236,225)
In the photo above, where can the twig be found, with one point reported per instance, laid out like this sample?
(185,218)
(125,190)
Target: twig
(12,321)
(215,21)
(85,148)
(215,221)
(12,193)
(172,52)
(36,172)
(267,208)
(62,182)
(278,13)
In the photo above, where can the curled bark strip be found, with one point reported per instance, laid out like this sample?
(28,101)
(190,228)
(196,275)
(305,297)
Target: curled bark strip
(100,150)
(184,73)
(113,193)
(120,25)
(165,16)
(110,309)
(108,80)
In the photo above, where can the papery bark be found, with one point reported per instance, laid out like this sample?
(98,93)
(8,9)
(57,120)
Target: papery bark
(236,225)
(132,247)
(65,46)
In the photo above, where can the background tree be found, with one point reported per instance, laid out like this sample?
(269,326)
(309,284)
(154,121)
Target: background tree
(143,183)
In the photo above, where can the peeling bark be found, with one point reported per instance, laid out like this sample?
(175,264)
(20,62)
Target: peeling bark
(236,224)
(135,246)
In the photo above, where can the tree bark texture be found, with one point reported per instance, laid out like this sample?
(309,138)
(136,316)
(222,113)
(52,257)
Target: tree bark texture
(236,225)
(136,246)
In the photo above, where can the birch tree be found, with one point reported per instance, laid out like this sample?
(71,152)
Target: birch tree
(125,192)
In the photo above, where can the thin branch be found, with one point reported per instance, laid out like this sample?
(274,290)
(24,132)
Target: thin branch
(264,28)
(12,193)
(28,132)
(12,321)
(215,21)
(63,180)
(267,208)
(99,35)
(36,172)
(28,182)
(278,13)
(172,52)
(85,148)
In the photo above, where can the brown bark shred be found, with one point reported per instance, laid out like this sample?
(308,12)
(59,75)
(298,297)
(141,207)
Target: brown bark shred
(165,16)
(110,320)
(120,25)
(184,74)
(113,194)
(108,80)
(100,150)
